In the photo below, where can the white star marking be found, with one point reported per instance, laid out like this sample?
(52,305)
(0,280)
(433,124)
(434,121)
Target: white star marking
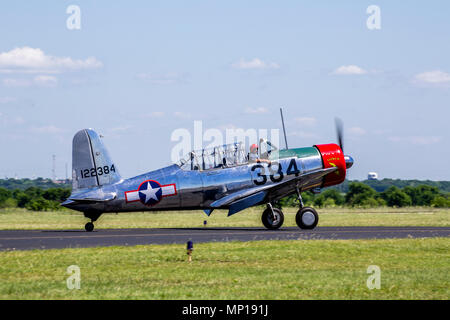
(150,193)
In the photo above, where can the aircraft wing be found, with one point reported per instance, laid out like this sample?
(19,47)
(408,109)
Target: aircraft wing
(243,199)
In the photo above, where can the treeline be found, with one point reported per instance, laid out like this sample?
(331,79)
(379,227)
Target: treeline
(384,184)
(23,184)
(33,198)
(361,195)
(377,185)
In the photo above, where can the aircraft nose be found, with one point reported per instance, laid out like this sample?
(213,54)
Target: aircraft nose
(348,161)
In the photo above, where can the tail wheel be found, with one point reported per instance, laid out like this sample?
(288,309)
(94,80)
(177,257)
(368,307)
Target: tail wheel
(89,226)
(272,220)
(307,218)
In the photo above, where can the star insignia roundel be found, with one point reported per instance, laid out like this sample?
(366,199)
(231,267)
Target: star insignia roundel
(150,193)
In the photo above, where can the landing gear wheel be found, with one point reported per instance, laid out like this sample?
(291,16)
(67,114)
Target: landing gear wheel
(89,226)
(272,220)
(307,218)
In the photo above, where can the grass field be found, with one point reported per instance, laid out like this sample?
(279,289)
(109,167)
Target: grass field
(66,219)
(300,269)
(312,269)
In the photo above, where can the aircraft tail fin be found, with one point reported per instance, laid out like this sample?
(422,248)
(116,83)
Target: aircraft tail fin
(91,164)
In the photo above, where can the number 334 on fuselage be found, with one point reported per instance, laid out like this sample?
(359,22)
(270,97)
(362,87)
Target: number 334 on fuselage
(217,178)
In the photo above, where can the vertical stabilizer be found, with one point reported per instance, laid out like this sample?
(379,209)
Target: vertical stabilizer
(91,164)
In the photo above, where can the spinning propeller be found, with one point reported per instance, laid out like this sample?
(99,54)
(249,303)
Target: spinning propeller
(340,137)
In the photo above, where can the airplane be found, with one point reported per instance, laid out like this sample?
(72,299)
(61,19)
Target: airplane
(221,177)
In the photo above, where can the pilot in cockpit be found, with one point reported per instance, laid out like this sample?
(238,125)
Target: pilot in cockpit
(253,156)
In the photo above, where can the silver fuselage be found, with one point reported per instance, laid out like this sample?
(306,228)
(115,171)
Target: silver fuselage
(197,189)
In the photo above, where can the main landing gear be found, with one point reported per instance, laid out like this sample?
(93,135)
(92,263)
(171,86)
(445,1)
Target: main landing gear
(272,218)
(306,217)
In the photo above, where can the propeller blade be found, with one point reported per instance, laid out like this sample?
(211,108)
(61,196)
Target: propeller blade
(340,133)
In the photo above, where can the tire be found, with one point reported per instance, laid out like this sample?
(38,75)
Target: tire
(89,227)
(307,218)
(267,218)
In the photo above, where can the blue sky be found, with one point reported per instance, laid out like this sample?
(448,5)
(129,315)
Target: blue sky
(138,70)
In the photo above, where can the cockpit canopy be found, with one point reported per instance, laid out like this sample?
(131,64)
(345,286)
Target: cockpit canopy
(225,156)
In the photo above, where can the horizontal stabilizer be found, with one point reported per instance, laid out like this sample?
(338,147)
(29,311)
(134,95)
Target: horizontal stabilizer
(92,196)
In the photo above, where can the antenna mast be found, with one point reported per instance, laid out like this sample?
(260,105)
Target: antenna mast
(284,129)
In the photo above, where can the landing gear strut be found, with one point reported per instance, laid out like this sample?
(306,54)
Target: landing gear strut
(306,217)
(272,218)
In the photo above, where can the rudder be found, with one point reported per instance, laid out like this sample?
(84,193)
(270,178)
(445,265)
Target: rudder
(91,164)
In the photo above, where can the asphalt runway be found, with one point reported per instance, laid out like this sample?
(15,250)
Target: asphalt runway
(57,239)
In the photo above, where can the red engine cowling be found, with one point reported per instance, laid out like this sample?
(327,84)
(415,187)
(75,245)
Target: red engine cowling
(332,156)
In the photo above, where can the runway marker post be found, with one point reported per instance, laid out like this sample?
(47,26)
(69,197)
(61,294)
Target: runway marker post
(190,248)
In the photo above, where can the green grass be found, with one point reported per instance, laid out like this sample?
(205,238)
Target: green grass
(312,269)
(67,219)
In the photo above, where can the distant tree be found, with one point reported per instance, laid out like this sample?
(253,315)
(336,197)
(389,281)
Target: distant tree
(22,198)
(8,203)
(56,194)
(319,201)
(308,198)
(422,195)
(395,197)
(40,204)
(337,197)
(441,202)
(358,193)
(369,203)
(4,194)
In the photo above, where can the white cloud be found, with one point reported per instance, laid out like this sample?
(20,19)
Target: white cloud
(47,129)
(34,60)
(8,120)
(228,126)
(256,63)
(349,70)
(303,135)
(45,81)
(181,115)
(11,82)
(4,100)
(260,110)
(357,131)
(156,114)
(417,140)
(163,79)
(121,129)
(40,81)
(305,121)
(433,77)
